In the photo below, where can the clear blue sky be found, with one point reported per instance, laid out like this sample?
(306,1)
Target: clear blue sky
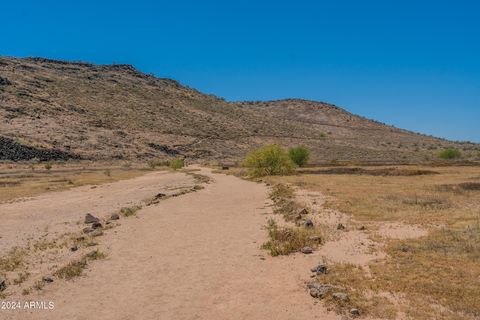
(413,64)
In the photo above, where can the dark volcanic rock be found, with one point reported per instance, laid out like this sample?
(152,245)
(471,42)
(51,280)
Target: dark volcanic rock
(89,218)
(114,216)
(341,296)
(5,82)
(319,269)
(165,149)
(308,223)
(307,250)
(3,284)
(355,312)
(96,225)
(87,230)
(319,290)
(11,150)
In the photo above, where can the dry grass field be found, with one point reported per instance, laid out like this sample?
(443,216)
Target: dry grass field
(27,180)
(426,220)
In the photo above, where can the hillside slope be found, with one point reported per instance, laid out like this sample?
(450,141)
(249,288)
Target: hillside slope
(117,112)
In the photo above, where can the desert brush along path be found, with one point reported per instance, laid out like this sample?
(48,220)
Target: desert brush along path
(193,256)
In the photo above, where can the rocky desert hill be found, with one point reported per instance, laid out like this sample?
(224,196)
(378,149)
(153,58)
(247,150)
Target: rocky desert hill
(53,109)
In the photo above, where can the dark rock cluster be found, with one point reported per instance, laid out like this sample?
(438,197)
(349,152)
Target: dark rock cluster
(14,151)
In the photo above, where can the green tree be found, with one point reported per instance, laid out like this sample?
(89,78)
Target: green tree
(268,161)
(176,164)
(450,153)
(299,155)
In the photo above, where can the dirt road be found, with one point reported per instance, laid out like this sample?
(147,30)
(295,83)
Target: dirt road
(196,256)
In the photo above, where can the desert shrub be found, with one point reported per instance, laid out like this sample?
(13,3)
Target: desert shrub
(129,211)
(299,155)
(72,270)
(176,164)
(286,240)
(268,161)
(450,153)
(48,166)
(158,163)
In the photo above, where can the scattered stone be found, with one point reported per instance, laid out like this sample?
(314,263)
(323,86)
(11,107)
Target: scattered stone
(224,167)
(361,228)
(319,290)
(90,219)
(5,82)
(74,248)
(3,284)
(341,296)
(115,216)
(306,250)
(81,238)
(91,244)
(320,269)
(97,233)
(160,195)
(87,230)
(308,223)
(355,312)
(315,293)
(340,227)
(302,211)
(47,279)
(96,225)
(91,254)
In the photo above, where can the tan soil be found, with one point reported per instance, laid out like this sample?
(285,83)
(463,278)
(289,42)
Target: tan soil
(196,256)
(56,213)
(401,231)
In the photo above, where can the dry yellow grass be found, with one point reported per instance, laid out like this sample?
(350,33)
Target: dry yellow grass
(22,181)
(437,275)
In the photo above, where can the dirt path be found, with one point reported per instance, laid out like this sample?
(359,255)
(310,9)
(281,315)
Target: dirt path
(55,213)
(196,256)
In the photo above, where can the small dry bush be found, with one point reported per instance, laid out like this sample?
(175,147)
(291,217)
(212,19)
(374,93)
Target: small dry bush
(13,260)
(129,211)
(284,203)
(286,240)
(72,270)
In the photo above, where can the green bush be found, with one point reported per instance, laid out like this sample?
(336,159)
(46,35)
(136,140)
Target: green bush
(158,163)
(450,153)
(299,155)
(176,164)
(268,161)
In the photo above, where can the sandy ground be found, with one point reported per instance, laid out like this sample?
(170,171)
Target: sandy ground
(55,213)
(196,256)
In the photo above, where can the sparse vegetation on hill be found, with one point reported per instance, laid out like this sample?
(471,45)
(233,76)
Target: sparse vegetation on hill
(64,110)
